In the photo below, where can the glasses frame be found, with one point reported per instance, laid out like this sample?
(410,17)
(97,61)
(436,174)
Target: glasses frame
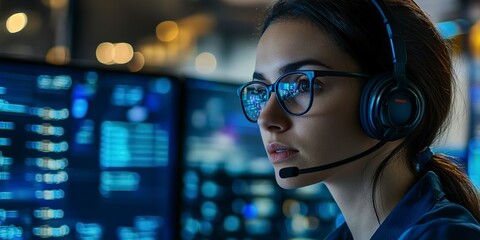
(311,74)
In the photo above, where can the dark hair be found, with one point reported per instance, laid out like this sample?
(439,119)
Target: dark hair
(357,27)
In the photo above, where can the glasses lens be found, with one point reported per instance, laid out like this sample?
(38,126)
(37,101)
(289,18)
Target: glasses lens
(254,97)
(294,92)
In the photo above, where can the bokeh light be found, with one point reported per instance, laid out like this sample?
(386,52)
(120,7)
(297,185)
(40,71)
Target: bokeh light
(118,53)
(105,53)
(56,4)
(123,53)
(205,63)
(16,22)
(137,63)
(167,31)
(58,55)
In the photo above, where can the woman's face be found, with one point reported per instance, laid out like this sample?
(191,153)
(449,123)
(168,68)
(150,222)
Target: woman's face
(331,130)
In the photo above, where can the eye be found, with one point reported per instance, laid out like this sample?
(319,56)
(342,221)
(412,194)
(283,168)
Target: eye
(303,84)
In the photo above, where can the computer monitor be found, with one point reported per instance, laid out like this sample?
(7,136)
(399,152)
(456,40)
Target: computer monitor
(34,143)
(87,153)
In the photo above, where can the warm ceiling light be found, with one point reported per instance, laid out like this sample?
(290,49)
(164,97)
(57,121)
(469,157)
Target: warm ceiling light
(58,55)
(105,53)
(154,54)
(123,53)
(56,4)
(475,39)
(198,23)
(167,31)
(16,22)
(137,62)
(205,63)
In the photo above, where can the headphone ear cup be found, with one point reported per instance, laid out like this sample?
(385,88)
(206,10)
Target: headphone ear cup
(388,111)
(368,107)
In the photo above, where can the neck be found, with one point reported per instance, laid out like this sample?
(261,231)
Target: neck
(353,194)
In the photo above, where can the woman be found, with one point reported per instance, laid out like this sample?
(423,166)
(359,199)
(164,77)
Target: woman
(347,95)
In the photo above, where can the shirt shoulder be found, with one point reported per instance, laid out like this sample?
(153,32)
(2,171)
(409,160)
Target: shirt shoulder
(447,221)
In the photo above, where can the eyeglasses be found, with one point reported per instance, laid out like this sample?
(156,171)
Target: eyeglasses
(294,92)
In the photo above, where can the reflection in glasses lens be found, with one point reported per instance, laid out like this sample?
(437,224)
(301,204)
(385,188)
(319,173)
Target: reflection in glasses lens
(294,91)
(254,96)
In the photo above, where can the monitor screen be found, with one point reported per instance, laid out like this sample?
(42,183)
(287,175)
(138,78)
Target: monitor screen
(228,184)
(86,154)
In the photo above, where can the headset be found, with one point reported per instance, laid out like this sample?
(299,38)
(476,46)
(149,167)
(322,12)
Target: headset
(391,106)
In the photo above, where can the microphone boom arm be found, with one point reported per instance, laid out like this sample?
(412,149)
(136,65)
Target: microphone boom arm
(295,171)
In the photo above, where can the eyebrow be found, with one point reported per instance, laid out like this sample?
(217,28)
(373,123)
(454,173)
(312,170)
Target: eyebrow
(292,67)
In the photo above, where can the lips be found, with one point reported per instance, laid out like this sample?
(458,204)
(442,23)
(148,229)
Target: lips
(278,152)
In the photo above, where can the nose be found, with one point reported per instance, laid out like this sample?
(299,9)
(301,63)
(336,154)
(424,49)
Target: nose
(273,118)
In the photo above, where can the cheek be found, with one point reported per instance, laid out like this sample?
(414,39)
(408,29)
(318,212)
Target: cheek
(345,112)
(339,107)
(334,123)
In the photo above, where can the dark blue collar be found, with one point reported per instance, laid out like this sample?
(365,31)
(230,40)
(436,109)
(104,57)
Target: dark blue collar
(419,200)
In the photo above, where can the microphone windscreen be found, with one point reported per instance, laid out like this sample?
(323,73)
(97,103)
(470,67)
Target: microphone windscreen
(288,172)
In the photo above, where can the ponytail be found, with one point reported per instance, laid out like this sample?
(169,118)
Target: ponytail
(456,184)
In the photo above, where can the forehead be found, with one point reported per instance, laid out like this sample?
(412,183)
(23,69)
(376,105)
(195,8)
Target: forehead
(295,40)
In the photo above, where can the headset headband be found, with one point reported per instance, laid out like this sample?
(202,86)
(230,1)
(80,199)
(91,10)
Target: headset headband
(397,44)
